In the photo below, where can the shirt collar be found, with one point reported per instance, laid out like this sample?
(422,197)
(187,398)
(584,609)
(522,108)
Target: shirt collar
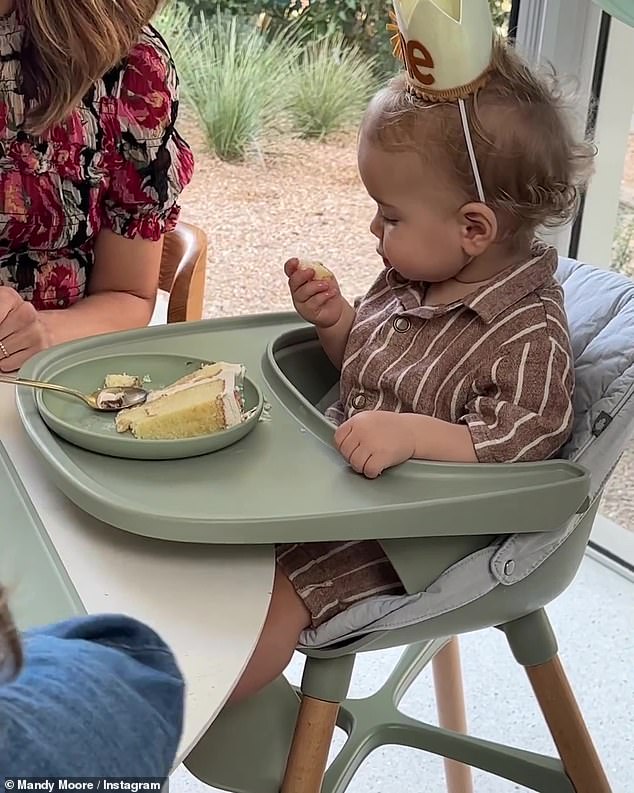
(489,301)
(514,284)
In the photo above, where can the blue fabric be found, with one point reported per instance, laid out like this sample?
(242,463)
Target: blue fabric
(97,696)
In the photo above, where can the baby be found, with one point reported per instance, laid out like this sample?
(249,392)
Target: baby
(460,350)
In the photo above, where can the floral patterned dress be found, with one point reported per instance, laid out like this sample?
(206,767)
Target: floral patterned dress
(118,163)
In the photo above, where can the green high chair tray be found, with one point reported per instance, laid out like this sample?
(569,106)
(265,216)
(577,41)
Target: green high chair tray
(39,587)
(285,472)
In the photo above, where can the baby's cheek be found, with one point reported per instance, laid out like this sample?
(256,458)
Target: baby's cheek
(392,239)
(403,245)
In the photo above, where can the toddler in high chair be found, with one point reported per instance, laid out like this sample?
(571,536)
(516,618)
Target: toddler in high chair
(460,349)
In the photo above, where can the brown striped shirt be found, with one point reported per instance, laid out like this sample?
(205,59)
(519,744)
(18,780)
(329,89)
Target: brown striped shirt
(499,360)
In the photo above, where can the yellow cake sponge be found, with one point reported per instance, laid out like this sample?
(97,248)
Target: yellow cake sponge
(321,273)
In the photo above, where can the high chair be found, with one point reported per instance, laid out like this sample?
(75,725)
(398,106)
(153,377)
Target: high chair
(279,739)
(182,276)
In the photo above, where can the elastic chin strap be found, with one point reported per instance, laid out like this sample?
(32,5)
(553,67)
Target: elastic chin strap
(472,157)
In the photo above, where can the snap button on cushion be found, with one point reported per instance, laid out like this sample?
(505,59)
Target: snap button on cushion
(359,401)
(402,324)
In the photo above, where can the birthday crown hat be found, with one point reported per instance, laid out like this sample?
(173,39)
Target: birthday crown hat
(446,45)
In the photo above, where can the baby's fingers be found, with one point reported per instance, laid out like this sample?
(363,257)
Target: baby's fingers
(301,277)
(360,458)
(373,467)
(291,266)
(315,304)
(341,433)
(306,292)
(349,446)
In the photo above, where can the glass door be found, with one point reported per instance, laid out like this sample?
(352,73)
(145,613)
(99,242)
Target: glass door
(604,236)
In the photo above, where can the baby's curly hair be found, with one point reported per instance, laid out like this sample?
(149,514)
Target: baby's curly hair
(532,164)
(11,658)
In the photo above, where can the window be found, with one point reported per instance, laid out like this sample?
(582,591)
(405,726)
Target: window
(605,230)
(606,237)
(501,11)
(623,243)
(580,40)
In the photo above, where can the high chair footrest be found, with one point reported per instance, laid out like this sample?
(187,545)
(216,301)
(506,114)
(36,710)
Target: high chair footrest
(246,748)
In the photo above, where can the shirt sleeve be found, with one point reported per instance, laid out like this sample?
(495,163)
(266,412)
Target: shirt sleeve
(521,408)
(151,164)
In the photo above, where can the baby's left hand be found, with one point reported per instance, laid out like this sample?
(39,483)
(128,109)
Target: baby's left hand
(375,440)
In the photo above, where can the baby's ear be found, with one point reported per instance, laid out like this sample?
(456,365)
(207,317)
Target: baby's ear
(479,228)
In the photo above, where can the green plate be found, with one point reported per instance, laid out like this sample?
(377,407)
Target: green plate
(96,432)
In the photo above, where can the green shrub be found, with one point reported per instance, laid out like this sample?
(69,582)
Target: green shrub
(330,87)
(174,22)
(237,82)
(362,22)
(242,73)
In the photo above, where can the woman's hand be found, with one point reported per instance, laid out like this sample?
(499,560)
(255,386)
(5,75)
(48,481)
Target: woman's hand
(317,301)
(375,440)
(22,332)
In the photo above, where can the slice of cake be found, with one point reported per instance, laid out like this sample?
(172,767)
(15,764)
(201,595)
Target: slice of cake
(205,401)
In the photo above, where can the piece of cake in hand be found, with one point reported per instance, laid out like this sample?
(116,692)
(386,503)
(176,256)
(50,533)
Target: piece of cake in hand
(205,401)
(321,273)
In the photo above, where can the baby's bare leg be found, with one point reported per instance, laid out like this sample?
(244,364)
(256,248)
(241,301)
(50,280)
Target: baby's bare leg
(287,618)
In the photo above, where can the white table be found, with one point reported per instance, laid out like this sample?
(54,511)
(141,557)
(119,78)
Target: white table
(207,601)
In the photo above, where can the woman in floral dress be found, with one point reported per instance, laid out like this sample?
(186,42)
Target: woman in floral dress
(91,168)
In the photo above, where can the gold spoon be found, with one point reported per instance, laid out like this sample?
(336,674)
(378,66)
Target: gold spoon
(105,399)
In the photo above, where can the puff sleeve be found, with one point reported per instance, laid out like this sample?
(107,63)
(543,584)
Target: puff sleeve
(150,164)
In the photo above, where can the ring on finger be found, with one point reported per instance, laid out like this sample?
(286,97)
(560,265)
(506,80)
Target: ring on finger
(4,351)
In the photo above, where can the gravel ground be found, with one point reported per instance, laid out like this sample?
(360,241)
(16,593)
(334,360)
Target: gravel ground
(305,199)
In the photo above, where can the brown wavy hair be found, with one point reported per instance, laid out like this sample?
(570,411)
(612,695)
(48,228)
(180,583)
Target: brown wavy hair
(69,45)
(532,160)
(10,647)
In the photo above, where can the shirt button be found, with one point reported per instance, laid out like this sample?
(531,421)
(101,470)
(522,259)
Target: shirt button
(402,324)
(509,567)
(359,401)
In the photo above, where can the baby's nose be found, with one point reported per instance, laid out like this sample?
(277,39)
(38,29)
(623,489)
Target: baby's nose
(376,227)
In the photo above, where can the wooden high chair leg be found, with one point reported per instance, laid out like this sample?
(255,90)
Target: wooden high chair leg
(451,710)
(567,727)
(307,759)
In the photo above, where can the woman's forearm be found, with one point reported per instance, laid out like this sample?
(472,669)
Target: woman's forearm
(103,312)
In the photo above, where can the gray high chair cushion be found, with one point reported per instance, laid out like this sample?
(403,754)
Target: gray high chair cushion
(600,308)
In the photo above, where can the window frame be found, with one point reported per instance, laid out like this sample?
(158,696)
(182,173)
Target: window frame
(579,39)
(614,112)
(564,33)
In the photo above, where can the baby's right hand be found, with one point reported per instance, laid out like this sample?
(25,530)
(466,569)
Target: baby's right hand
(317,301)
